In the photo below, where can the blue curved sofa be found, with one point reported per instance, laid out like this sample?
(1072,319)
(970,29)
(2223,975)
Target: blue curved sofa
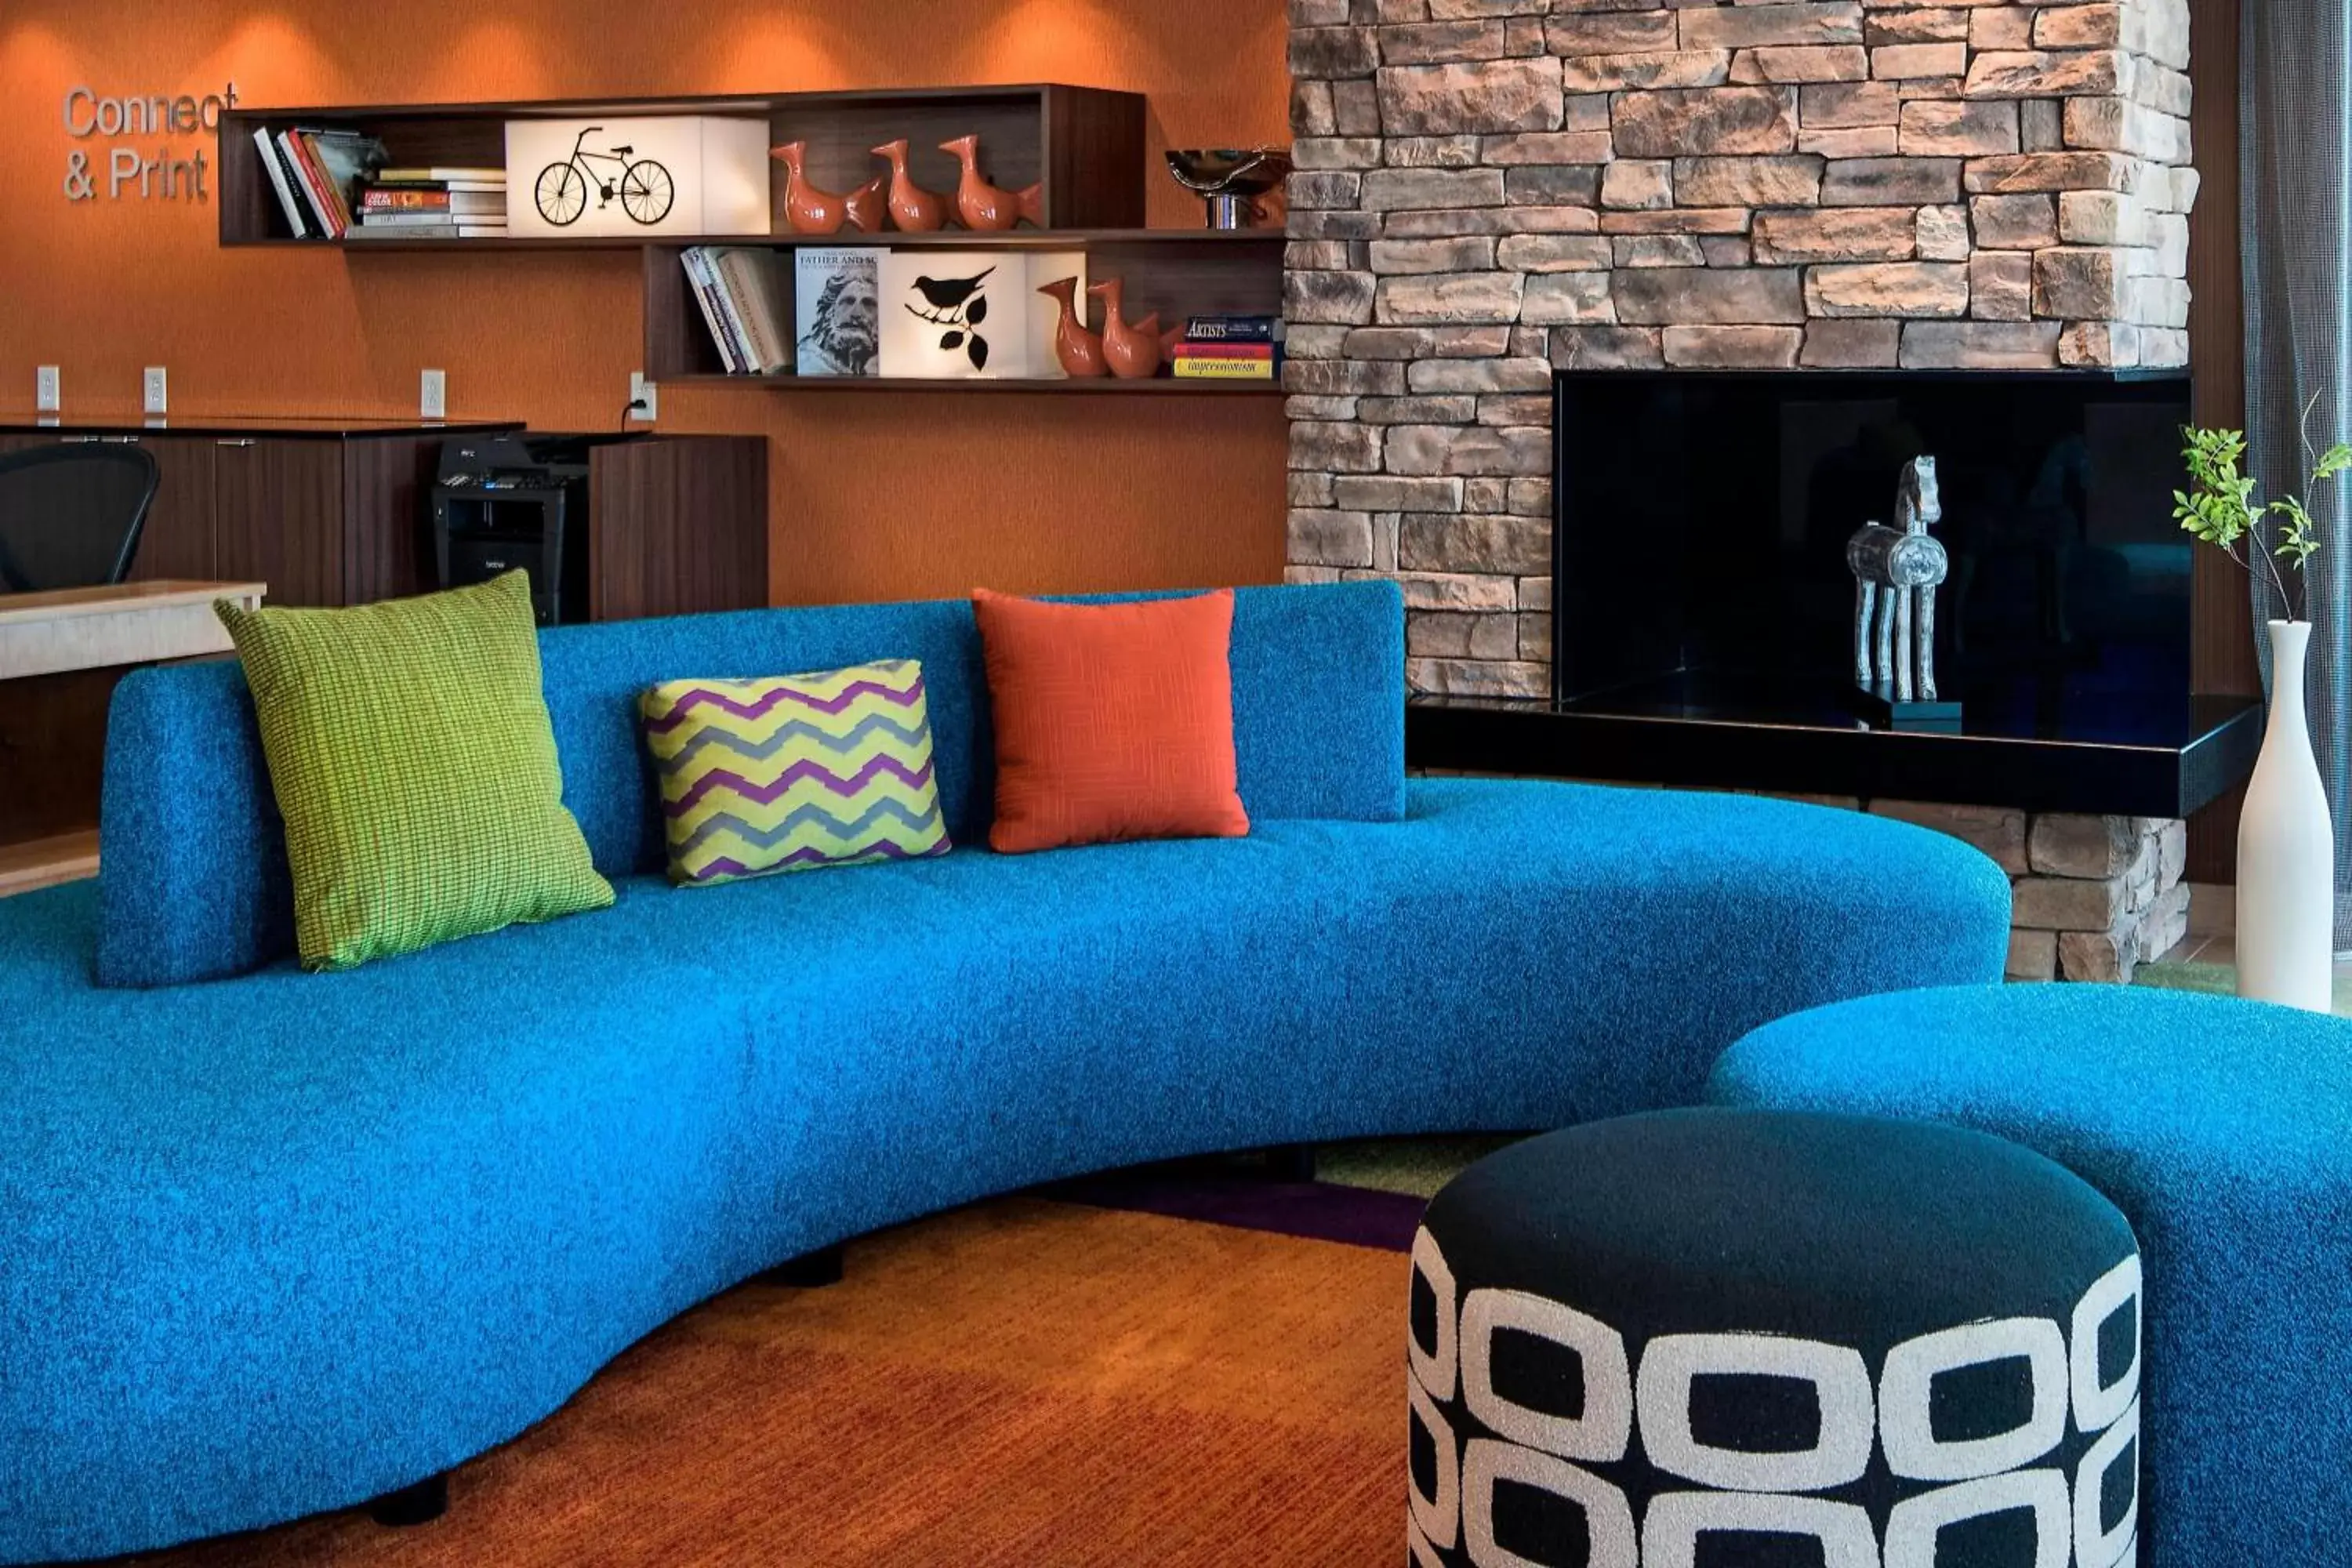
(280,1242)
(2223,1130)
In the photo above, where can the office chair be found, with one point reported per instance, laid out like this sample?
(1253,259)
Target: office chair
(70,516)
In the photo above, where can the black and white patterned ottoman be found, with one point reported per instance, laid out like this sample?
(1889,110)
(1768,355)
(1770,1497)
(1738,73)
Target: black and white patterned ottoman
(1729,1339)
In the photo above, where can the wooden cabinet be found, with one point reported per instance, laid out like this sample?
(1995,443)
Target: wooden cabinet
(178,541)
(278,511)
(338,516)
(341,515)
(677,524)
(325,514)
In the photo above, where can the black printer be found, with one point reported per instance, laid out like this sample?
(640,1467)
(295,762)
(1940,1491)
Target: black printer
(514,500)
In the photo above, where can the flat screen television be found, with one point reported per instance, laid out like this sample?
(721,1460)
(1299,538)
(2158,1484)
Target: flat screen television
(1701,523)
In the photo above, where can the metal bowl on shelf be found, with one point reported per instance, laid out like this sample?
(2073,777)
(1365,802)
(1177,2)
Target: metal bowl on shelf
(1230,179)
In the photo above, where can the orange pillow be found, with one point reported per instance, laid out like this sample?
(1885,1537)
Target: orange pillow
(1112,720)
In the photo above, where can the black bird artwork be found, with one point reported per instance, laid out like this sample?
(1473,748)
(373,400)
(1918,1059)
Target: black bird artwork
(957,304)
(947,293)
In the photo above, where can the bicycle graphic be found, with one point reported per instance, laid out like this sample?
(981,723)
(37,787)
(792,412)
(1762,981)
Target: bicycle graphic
(644,188)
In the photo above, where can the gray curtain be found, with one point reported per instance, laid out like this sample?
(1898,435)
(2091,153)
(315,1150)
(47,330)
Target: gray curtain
(2294,221)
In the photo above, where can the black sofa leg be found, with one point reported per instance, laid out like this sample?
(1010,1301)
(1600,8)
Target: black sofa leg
(1290,1163)
(806,1272)
(423,1503)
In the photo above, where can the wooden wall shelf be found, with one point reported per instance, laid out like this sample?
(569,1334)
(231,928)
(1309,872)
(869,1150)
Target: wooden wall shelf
(1233,241)
(1086,145)
(1098,385)
(1177,272)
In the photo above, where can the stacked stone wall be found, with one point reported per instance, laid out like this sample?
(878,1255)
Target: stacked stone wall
(1487,189)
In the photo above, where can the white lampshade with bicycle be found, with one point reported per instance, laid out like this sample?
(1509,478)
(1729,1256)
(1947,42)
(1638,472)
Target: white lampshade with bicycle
(649,175)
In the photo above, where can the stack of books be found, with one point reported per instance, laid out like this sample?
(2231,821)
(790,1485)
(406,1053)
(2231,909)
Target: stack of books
(1230,348)
(736,285)
(317,173)
(434,203)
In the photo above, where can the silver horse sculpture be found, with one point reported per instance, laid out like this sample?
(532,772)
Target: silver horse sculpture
(1897,571)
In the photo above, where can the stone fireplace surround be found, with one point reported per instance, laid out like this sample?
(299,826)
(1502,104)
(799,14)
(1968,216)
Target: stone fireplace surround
(1487,189)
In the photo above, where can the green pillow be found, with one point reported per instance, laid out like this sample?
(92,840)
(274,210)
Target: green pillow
(411,753)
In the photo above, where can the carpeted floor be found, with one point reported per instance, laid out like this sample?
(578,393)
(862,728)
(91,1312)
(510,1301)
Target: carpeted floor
(1034,1382)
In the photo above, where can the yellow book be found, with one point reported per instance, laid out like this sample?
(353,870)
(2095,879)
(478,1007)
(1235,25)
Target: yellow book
(1191,369)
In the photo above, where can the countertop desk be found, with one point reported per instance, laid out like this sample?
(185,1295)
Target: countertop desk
(60,654)
(129,622)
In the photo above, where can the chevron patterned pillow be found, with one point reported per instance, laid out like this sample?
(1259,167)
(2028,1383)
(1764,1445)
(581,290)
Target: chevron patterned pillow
(831,768)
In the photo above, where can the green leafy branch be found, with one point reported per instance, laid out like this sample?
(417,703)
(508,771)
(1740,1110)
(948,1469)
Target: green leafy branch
(2219,507)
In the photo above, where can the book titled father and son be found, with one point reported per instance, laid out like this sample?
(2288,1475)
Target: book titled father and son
(339,184)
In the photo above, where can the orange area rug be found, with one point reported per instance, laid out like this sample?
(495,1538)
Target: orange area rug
(1029,1384)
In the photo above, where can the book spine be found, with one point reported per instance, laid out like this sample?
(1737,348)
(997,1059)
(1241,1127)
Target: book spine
(331,192)
(361,232)
(754,275)
(1222,369)
(377,199)
(735,285)
(413,174)
(731,310)
(1225,351)
(696,260)
(268,147)
(298,173)
(1233,330)
(400,219)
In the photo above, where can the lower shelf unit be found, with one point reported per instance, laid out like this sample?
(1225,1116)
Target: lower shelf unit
(1179,386)
(1174,272)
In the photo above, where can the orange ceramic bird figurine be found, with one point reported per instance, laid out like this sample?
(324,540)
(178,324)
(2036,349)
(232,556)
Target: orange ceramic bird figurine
(1132,351)
(813,211)
(912,208)
(985,206)
(1079,351)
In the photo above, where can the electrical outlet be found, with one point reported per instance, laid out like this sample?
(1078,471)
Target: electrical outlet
(45,389)
(644,397)
(432,395)
(155,390)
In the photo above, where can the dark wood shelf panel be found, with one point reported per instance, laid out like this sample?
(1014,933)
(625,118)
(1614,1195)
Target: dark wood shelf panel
(1175,272)
(1084,145)
(1227,241)
(1093,384)
(744,103)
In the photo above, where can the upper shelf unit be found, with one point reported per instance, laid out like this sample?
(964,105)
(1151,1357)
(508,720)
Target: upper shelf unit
(1086,145)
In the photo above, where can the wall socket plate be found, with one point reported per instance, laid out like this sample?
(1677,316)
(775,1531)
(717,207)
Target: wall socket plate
(45,389)
(155,392)
(644,397)
(433,395)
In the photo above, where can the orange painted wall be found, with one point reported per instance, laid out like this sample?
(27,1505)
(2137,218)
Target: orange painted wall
(874,496)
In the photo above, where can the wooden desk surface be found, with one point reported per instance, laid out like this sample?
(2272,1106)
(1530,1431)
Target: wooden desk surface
(128,623)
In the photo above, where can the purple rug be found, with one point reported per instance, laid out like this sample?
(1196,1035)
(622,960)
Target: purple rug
(1316,1210)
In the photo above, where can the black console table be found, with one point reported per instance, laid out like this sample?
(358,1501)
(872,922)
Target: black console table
(2148,758)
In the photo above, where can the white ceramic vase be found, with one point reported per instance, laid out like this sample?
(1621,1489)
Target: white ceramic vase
(2286,851)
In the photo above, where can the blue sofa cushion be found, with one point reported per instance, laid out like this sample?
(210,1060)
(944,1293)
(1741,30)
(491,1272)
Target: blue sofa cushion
(194,885)
(2223,1130)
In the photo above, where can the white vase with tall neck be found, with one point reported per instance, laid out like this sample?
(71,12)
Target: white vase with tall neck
(2286,851)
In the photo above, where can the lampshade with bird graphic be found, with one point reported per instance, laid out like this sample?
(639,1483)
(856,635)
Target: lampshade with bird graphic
(953,314)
